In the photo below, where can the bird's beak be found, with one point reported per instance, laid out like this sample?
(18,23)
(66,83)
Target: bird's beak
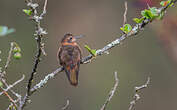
(78,37)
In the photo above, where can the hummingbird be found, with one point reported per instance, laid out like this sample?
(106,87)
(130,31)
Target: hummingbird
(69,55)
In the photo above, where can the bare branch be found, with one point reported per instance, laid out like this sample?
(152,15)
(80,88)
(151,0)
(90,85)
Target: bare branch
(111,93)
(125,13)
(136,97)
(11,86)
(143,86)
(45,80)
(43,50)
(9,97)
(11,104)
(34,70)
(13,92)
(66,106)
(44,9)
(10,54)
(7,62)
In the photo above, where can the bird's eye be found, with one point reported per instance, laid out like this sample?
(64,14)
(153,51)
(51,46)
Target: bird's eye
(70,38)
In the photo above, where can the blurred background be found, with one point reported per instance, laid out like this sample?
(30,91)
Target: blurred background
(152,52)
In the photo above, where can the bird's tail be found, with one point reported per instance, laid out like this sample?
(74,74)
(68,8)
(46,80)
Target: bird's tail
(72,74)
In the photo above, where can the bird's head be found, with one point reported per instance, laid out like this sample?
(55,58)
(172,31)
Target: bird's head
(69,38)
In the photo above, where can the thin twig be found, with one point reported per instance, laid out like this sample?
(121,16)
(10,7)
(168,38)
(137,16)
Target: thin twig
(125,13)
(44,9)
(111,93)
(11,104)
(43,50)
(2,74)
(13,92)
(41,16)
(11,86)
(9,97)
(136,97)
(66,106)
(10,54)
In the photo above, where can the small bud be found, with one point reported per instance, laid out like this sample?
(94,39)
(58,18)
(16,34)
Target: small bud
(28,12)
(16,49)
(17,55)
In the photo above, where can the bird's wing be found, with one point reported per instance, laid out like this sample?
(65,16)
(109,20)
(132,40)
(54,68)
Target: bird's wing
(70,57)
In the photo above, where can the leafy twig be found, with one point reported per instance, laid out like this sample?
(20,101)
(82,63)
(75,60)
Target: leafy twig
(39,32)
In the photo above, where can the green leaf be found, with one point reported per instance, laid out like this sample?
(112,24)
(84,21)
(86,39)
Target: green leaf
(91,51)
(87,47)
(126,28)
(137,20)
(1,84)
(154,11)
(28,12)
(147,14)
(4,30)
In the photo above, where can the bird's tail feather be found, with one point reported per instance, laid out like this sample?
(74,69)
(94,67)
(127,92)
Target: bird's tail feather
(72,74)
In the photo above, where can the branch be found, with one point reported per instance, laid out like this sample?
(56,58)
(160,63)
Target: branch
(111,93)
(39,32)
(10,98)
(13,104)
(66,106)
(11,86)
(136,30)
(7,61)
(34,70)
(45,80)
(125,13)
(44,9)
(136,97)
(10,54)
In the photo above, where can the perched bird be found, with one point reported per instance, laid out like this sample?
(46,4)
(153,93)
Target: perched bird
(69,55)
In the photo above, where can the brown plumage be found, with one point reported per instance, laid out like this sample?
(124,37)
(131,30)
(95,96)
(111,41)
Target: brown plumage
(69,55)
